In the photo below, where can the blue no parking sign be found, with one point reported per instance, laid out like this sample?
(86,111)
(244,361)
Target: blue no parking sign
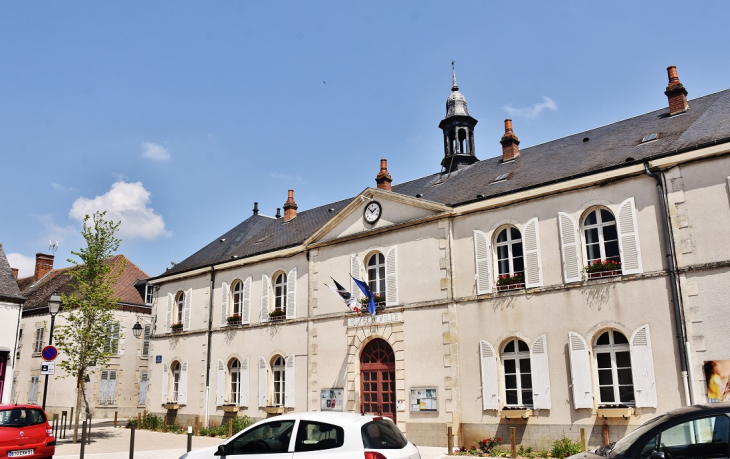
(49,353)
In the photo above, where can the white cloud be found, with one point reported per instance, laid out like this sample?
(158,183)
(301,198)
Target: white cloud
(531,112)
(128,203)
(155,152)
(59,187)
(25,265)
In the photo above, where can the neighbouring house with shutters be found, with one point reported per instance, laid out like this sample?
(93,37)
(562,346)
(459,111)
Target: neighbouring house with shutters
(576,283)
(121,385)
(11,304)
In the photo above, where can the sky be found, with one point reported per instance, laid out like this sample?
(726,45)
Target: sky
(175,117)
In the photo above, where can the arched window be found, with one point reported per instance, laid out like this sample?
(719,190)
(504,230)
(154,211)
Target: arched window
(613,363)
(280,292)
(509,252)
(234,369)
(237,291)
(599,228)
(376,273)
(279,369)
(179,307)
(517,373)
(462,139)
(175,381)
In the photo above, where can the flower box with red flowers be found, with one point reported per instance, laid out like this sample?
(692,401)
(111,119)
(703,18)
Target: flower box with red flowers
(506,282)
(277,314)
(235,319)
(377,298)
(178,327)
(603,268)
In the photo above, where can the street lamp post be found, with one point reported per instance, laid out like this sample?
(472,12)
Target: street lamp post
(54,306)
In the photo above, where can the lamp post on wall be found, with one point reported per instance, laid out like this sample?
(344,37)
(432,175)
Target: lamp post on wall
(54,306)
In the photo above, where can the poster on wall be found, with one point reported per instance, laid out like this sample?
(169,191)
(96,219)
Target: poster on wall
(331,399)
(424,399)
(717,374)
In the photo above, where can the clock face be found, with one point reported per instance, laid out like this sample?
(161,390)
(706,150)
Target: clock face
(372,212)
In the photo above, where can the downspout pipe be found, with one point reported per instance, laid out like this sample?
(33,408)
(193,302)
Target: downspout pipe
(210,339)
(668,247)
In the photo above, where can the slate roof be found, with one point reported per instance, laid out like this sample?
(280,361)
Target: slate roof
(59,280)
(707,122)
(9,290)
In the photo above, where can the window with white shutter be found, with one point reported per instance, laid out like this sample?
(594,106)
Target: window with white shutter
(570,248)
(224,304)
(613,365)
(265,290)
(628,238)
(234,371)
(111,342)
(33,392)
(643,368)
(580,371)
(220,392)
(290,382)
(246,313)
(356,272)
(108,387)
(517,373)
(188,309)
(291,294)
(482,262)
(488,360)
(263,386)
(540,374)
(533,260)
(391,277)
(146,340)
(143,389)
(38,343)
(243,401)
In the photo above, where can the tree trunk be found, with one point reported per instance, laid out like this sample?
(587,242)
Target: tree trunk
(78,407)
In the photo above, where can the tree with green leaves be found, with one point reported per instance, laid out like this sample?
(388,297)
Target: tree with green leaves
(89,309)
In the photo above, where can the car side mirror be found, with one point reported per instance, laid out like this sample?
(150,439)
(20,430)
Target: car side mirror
(657,455)
(223,450)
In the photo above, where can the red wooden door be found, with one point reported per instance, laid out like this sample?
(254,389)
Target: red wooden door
(377,379)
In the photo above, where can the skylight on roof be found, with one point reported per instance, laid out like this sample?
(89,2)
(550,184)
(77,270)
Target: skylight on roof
(649,138)
(502,177)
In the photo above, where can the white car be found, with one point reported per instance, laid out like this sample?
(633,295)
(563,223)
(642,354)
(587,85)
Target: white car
(318,435)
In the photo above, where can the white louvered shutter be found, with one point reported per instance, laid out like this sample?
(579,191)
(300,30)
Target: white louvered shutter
(243,397)
(628,238)
(165,379)
(533,261)
(182,393)
(291,294)
(580,371)
(246,313)
(642,368)
(263,386)
(290,382)
(391,277)
(265,288)
(143,389)
(488,358)
(356,272)
(220,390)
(224,304)
(170,307)
(483,266)
(187,311)
(540,373)
(104,388)
(570,248)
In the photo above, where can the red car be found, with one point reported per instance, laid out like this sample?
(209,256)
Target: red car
(25,432)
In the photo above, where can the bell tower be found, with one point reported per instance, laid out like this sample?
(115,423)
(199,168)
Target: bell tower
(458,127)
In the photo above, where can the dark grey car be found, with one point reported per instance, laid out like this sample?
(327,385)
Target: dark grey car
(699,431)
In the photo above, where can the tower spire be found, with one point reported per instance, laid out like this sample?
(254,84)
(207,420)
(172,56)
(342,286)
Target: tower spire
(454,86)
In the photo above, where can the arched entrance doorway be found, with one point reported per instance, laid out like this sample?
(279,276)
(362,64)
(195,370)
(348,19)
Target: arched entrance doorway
(377,379)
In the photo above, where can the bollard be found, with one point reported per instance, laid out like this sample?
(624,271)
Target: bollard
(64,419)
(449,440)
(71,419)
(131,443)
(230,428)
(55,425)
(115,419)
(195,428)
(88,429)
(583,439)
(83,440)
(605,435)
(139,420)
(190,438)
(513,440)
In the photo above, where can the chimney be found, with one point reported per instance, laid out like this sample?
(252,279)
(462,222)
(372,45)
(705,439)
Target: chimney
(15,272)
(290,207)
(676,93)
(278,212)
(383,178)
(510,142)
(255,208)
(43,265)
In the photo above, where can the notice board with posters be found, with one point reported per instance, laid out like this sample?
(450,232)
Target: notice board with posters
(331,399)
(424,399)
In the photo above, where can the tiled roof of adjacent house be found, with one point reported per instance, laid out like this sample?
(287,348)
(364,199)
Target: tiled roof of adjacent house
(9,290)
(707,122)
(59,280)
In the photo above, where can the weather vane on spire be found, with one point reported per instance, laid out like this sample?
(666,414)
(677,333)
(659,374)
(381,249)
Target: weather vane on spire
(454,87)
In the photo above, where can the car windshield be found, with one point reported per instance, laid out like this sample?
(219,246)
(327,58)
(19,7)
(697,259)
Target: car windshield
(623,445)
(21,417)
(382,434)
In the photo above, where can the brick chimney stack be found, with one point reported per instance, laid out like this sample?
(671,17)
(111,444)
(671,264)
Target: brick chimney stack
(383,178)
(15,272)
(676,93)
(510,142)
(290,207)
(43,265)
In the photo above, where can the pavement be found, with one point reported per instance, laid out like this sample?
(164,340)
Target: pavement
(108,442)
